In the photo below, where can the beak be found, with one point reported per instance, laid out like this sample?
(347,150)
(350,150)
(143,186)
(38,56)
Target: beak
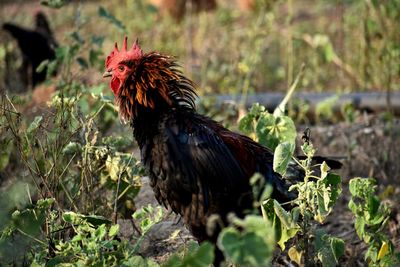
(107,73)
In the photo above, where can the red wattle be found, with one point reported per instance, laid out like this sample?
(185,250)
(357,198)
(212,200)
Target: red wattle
(115,85)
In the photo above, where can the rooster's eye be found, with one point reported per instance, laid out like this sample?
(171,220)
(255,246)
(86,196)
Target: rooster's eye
(121,68)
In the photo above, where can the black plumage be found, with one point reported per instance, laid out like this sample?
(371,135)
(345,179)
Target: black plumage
(196,167)
(36,45)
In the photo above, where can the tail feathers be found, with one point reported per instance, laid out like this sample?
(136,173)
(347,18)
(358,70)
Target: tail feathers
(15,30)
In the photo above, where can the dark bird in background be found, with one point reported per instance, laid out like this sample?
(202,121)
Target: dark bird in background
(196,167)
(36,45)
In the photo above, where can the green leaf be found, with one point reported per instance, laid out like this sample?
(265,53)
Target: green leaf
(359,224)
(77,238)
(51,67)
(203,256)
(77,37)
(106,14)
(70,217)
(34,125)
(284,223)
(98,40)
(72,148)
(45,203)
(42,65)
(53,3)
(257,109)
(117,142)
(328,248)
(272,130)
(282,156)
(100,232)
(324,169)
(243,249)
(360,187)
(253,246)
(196,256)
(114,230)
(138,261)
(246,124)
(82,63)
(96,220)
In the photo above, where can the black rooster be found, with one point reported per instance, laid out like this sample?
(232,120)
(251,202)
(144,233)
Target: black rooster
(36,46)
(196,166)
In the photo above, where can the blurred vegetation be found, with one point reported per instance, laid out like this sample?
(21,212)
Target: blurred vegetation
(345,45)
(69,169)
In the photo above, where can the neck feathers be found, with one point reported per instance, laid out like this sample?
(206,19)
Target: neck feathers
(155,86)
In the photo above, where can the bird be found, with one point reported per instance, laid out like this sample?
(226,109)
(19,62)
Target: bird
(197,168)
(36,45)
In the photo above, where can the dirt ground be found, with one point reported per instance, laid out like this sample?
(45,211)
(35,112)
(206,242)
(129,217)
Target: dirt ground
(367,148)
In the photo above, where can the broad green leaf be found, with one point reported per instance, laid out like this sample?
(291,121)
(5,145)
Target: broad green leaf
(325,192)
(138,261)
(274,130)
(203,256)
(197,256)
(360,229)
(252,246)
(328,248)
(246,249)
(282,156)
(285,230)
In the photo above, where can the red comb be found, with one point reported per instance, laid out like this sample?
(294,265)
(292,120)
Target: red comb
(117,56)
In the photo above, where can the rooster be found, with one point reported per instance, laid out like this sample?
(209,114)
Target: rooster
(196,167)
(36,46)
